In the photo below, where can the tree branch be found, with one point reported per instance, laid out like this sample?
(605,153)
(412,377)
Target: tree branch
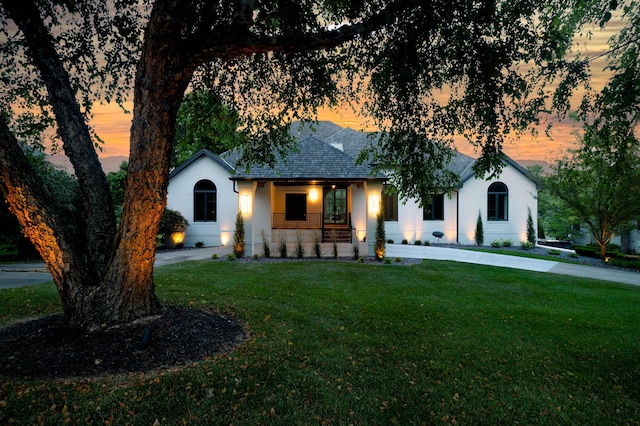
(77,143)
(205,46)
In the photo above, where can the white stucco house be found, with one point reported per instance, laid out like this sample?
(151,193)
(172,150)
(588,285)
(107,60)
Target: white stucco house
(319,192)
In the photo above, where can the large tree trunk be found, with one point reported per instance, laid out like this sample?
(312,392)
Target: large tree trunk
(108,277)
(161,81)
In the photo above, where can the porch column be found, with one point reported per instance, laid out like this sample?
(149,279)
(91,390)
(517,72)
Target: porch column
(374,204)
(246,206)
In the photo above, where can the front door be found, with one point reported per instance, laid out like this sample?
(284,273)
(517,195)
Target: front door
(335,205)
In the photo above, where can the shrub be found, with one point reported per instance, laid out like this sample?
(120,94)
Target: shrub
(387,261)
(199,244)
(266,245)
(427,243)
(531,231)
(170,222)
(282,246)
(479,237)
(526,245)
(231,257)
(316,245)
(255,257)
(404,242)
(179,245)
(361,259)
(389,241)
(496,243)
(379,247)
(507,242)
(356,251)
(397,260)
(418,243)
(238,237)
(215,256)
(554,252)
(299,246)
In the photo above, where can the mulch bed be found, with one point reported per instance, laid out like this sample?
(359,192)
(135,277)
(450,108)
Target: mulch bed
(44,349)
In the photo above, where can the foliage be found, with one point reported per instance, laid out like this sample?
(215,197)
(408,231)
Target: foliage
(418,242)
(299,245)
(555,220)
(266,245)
(479,234)
(356,250)
(531,230)
(238,237)
(600,183)
(172,221)
(282,245)
(379,244)
(117,185)
(317,251)
(204,122)
(199,244)
(527,245)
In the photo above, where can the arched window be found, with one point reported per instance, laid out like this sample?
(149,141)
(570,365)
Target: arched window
(205,204)
(498,202)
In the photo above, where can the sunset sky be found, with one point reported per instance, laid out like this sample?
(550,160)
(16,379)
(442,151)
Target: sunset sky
(113,125)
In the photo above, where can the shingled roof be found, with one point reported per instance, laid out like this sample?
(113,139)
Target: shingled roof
(314,160)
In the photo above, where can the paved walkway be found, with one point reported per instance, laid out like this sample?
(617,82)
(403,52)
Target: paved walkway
(18,275)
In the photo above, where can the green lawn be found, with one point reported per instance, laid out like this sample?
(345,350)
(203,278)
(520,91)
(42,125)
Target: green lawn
(347,343)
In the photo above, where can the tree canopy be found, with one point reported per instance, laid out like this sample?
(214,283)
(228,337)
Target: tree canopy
(271,63)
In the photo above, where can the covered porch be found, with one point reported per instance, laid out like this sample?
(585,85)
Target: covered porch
(296,212)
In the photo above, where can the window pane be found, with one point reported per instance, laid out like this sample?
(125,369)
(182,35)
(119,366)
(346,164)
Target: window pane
(498,202)
(434,210)
(199,207)
(390,205)
(204,201)
(296,206)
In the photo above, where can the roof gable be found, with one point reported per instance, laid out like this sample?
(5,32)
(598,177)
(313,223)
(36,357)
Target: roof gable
(202,153)
(313,160)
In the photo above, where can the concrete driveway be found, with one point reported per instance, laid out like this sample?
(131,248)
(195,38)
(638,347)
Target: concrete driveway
(19,275)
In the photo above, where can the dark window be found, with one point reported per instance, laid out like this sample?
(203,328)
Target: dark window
(435,209)
(390,206)
(296,206)
(498,202)
(205,204)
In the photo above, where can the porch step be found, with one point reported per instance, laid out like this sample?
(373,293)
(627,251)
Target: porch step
(340,235)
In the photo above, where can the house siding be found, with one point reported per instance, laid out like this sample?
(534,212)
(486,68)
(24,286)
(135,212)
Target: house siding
(180,198)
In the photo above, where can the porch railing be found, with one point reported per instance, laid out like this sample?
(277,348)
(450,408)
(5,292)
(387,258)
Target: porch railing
(313,221)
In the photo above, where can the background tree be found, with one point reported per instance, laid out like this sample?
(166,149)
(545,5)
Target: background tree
(205,122)
(600,183)
(273,64)
(117,186)
(555,220)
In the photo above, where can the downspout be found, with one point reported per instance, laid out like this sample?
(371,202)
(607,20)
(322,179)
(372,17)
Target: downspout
(457,217)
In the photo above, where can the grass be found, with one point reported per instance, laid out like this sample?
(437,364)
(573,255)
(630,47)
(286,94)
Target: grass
(348,343)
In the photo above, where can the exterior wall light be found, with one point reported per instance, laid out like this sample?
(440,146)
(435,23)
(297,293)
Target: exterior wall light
(313,194)
(245,204)
(374,204)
